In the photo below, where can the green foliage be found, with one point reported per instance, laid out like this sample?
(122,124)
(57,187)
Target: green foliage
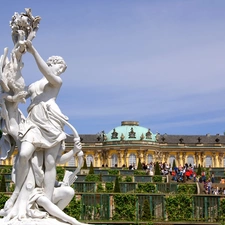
(2,184)
(113,172)
(74,208)
(187,189)
(146,188)
(128,179)
(139,172)
(146,213)
(174,164)
(157,178)
(157,169)
(139,164)
(85,164)
(222,209)
(120,178)
(117,186)
(6,169)
(12,187)
(100,177)
(207,172)
(92,212)
(60,171)
(125,207)
(179,207)
(199,170)
(100,187)
(3,199)
(91,170)
(109,186)
(92,177)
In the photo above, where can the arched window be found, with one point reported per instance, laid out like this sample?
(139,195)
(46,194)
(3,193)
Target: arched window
(208,161)
(132,160)
(171,159)
(114,160)
(150,158)
(190,160)
(89,160)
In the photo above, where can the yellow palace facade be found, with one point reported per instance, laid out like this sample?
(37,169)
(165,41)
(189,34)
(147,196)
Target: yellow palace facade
(126,143)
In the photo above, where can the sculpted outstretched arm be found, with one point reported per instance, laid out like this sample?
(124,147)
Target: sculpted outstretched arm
(14,98)
(43,67)
(61,159)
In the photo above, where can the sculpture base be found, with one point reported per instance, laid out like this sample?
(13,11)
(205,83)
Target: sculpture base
(48,221)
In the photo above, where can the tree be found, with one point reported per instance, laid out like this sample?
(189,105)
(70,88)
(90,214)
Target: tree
(199,170)
(139,165)
(91,170)
(174,164)
(117,185)
(100,177)
(146,213)
(157,169)
(2,184)
(85,164)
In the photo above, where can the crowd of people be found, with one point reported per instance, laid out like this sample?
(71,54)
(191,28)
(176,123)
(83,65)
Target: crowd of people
(179,174)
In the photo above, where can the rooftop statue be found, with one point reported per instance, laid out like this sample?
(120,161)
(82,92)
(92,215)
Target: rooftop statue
(39,137)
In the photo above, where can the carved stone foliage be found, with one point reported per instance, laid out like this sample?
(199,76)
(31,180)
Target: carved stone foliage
(114,134)
(119,156)
(158,155)
(148,135)
(142,137)
(122,137)
(220,159)
(132,134)
(166,155)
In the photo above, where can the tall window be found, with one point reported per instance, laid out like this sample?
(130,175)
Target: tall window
(190,160)
(114,160)
(208,161)
(171,159)
(89,160)
(150,158)
(132,160)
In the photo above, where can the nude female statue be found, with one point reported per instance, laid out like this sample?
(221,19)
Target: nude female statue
(40,136)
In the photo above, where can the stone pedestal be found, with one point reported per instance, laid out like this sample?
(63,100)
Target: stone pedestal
(48,221)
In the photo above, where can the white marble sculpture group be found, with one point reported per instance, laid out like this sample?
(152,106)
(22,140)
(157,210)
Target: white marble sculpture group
(38,198)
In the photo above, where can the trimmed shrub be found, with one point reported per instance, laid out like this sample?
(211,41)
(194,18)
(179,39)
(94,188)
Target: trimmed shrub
(85,164)
(146,188)
(100,187)
(74,208)
(113,172)
(139,164)
(174,164)
(92,177)
(157,169)
(117,185)
(109,186)
(146,213)
(91,170)
(128,179)
(157,178)
(2,184)
(199,170)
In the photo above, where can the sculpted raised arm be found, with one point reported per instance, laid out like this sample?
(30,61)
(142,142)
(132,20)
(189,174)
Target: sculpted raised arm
(49,73)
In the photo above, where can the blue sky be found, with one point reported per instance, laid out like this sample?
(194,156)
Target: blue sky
(158,62)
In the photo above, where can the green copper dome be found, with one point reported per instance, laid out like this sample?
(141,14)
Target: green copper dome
(130,131)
